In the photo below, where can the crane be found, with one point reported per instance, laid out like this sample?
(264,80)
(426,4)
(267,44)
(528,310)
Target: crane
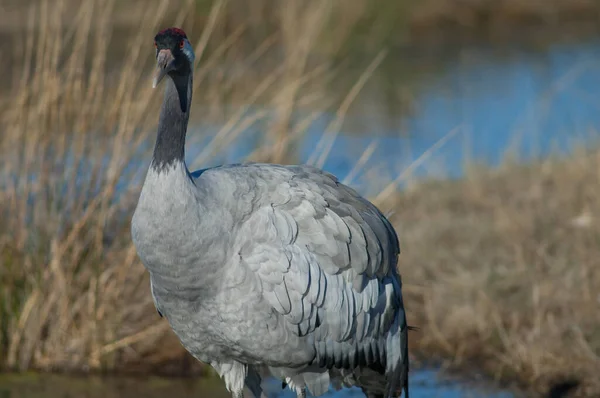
(265,266)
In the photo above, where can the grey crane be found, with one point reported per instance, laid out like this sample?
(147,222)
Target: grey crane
(267,267)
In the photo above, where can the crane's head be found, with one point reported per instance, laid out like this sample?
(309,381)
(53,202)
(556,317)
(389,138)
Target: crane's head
(174,54)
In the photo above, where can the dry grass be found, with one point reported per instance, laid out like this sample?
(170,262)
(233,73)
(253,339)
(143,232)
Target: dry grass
(77,127)
(67,135)
(511,285)
(502,271)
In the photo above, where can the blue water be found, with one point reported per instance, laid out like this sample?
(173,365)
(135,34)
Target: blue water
(518,103)
(423,384)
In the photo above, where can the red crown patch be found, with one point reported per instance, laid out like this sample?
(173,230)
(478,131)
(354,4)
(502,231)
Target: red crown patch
(173,31)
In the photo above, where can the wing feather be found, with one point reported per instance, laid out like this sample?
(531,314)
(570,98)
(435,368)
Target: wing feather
(326,260)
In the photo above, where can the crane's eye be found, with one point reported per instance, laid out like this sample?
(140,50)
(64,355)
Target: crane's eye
(181,44)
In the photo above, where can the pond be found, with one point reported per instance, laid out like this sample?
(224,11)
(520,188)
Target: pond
(485,104)
(424,385)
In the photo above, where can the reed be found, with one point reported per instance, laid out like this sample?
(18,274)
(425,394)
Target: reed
(77,128)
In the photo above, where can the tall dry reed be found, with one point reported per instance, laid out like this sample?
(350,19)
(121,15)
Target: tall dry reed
(77,128)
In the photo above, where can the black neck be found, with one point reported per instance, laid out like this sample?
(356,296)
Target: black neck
(173,121)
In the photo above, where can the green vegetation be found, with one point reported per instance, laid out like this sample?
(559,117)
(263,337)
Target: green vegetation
(500,268)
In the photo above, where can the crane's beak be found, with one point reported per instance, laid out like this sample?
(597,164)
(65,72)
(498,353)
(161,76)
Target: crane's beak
(164,64)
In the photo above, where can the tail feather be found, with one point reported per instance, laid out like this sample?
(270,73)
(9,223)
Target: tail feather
(405,377)
(253,383)
(397,358)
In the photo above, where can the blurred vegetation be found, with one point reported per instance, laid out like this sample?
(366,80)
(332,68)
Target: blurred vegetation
(511,285)
(30,385)
(362,25)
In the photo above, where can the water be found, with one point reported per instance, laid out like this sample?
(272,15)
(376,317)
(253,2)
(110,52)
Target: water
(424,385)
(530,104)
(487,103)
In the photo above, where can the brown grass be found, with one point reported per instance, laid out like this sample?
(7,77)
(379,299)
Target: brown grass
(502,271)
(77,129)
(66,264)
(500,268)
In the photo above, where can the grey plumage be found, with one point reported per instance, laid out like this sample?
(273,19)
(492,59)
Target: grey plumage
(269,266)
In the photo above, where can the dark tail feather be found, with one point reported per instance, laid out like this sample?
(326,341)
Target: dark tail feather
(406,360)
(400,375)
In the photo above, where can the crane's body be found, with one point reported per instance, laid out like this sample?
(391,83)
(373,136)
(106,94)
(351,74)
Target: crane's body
(268,266)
